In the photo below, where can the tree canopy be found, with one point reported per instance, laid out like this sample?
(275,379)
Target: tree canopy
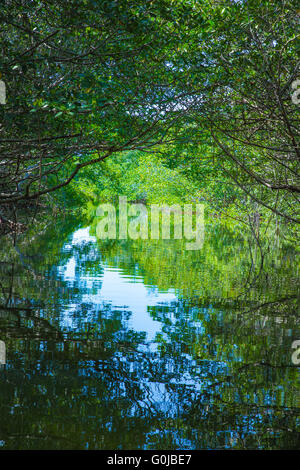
(208,84)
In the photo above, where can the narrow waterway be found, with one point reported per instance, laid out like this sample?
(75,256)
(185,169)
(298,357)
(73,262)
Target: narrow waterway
(144,345)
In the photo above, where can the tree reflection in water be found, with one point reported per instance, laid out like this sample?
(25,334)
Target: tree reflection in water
(210,369)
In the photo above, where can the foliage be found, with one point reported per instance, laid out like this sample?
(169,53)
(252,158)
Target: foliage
(209,82)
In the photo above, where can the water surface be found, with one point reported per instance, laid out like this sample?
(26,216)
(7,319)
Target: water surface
(144,345)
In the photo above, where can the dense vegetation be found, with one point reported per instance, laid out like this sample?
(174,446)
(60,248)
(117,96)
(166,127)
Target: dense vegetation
(143,344)
(159,100)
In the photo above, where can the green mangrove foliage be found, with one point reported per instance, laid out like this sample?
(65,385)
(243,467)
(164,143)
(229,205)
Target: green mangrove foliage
(206,88)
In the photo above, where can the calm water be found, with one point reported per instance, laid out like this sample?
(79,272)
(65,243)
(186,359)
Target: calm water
(143,345)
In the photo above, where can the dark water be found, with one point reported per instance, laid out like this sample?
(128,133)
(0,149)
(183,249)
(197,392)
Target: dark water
(144,345)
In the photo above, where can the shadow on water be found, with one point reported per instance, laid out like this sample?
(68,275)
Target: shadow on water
(144,345)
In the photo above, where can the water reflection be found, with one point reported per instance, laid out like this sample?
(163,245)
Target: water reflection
(144,345)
